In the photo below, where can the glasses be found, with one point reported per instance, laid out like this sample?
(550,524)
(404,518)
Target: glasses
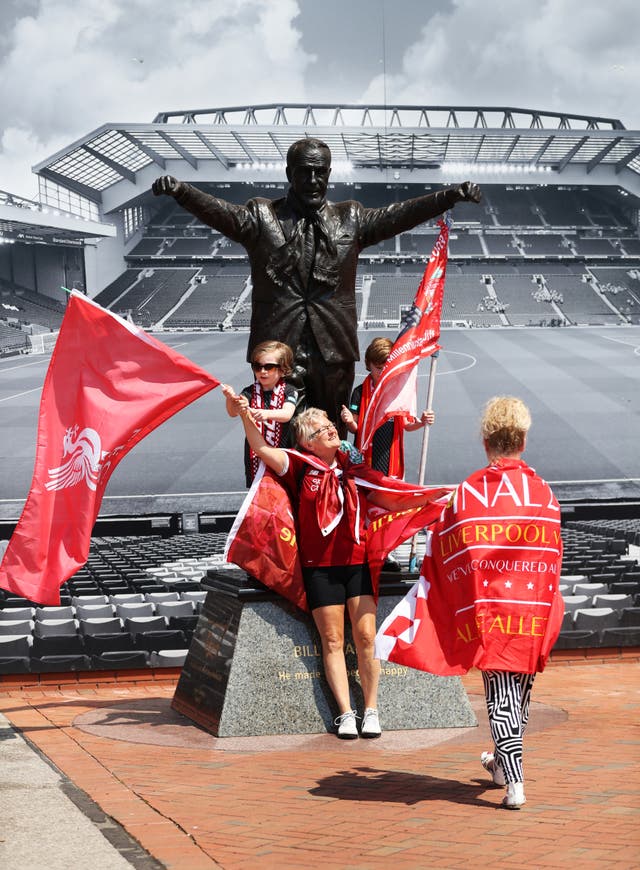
(322,430)
(267,367)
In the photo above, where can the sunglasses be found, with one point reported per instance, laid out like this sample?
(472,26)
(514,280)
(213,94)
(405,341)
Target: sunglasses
(321,431)
(267,367)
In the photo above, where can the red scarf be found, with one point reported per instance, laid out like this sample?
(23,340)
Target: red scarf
(396,455)
(271,430)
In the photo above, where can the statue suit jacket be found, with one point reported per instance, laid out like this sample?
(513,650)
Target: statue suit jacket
(283,303)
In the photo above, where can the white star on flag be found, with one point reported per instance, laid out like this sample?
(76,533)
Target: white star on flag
(486,583)
(507,584)
(529,585)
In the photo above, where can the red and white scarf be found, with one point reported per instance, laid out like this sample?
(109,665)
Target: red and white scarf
(271,429)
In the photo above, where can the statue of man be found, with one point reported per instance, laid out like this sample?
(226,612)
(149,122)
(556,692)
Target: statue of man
(303,252)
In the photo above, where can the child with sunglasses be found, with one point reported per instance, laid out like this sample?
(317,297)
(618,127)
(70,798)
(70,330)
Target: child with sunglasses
(270,399)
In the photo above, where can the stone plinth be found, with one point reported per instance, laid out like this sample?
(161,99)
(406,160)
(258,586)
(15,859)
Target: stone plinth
(255,668)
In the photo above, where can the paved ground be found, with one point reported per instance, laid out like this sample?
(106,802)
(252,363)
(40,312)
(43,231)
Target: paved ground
(145,777)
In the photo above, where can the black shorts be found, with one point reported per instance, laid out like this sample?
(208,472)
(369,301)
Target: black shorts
(335,584)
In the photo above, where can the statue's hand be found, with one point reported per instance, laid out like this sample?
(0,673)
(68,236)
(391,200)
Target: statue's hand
(468,191)
(166,185)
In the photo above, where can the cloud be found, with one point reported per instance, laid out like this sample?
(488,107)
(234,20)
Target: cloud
(574,56)
(69,67)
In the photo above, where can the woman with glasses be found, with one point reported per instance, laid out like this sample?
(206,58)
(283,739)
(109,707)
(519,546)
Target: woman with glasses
(330,509)
(270,399)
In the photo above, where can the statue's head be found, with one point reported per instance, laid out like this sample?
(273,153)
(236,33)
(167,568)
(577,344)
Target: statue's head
(308,170)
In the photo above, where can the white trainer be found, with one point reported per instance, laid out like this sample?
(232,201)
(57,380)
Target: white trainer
(514,797)
(347,729)
(370,723)
(488,761)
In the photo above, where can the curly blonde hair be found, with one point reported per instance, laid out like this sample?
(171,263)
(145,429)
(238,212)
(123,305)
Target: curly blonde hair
(504,425)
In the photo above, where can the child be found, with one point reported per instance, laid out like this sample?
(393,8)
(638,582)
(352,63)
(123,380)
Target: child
(271,400)
(386,450)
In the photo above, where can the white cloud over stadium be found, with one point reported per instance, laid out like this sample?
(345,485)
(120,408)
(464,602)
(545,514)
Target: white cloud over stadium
(67,68)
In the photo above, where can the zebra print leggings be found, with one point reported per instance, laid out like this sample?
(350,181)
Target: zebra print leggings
(508,695)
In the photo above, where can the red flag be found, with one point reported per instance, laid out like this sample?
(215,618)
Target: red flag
(395,392)
(108,385)
(488,591)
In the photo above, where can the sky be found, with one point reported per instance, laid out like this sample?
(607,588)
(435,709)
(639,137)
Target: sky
(69,66)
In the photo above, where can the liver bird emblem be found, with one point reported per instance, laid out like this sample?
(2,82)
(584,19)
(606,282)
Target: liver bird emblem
(82,454)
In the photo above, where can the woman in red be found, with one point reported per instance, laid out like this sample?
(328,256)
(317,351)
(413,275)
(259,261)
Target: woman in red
(331,510)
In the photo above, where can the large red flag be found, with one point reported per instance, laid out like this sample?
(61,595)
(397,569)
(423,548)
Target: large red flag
(395,392)
(488,592)
(108,385)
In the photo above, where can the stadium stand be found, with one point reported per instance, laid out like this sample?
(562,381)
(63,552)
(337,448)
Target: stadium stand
(152,623)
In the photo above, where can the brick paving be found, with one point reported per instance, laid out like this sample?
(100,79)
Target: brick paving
(411,799)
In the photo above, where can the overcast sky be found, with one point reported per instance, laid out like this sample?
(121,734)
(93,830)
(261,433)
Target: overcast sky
(68,66)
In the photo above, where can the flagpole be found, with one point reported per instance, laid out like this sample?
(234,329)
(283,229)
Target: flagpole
(425,447)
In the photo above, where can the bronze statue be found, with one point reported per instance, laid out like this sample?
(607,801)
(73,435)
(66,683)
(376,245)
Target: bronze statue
(303,252)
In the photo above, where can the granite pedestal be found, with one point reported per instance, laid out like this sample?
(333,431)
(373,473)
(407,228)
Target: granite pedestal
(255,668)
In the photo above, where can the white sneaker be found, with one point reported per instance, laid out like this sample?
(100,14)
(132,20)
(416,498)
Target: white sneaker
(488,761)
(370,723)
(347,729)
(514,797)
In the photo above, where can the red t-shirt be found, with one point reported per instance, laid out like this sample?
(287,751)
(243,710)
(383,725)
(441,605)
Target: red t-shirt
(345,543)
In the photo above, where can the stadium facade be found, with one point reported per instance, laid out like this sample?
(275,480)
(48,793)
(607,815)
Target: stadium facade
(562,195)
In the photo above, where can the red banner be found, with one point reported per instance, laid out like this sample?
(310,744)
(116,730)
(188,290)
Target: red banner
(395,392)
(488,592)
(107,386)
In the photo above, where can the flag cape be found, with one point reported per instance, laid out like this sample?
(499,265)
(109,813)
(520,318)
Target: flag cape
(488,595)
(107,386)
(395,392)
(263,538)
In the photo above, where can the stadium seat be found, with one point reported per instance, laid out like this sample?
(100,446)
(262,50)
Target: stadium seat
(625,587)
(168,658)
(621,636)
(126,611)
(57,644)
(577,640)
(16,613)
(198,595)
(96,644)
(595,619)
(15,645)
(94,611)
(16,626)
(175,608)
(574,602)
(567,621)
(136,624)
(82,600)
(127,598)
(590,589)
(108,661)
(100,626)
(155,597)
(45,627)
(55,663)
(618,602)
(66,612)
(630,616)
(14,664)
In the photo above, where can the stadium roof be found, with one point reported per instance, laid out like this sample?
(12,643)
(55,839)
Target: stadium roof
(28,222)
(117,162)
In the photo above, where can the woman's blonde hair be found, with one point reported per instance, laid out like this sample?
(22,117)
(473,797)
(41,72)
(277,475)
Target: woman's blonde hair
(504,425)
(305,424)
(280,349)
